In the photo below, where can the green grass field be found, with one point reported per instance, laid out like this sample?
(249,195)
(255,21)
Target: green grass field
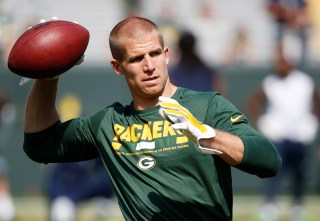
(246,208)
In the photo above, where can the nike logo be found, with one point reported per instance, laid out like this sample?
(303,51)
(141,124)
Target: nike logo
(235,119)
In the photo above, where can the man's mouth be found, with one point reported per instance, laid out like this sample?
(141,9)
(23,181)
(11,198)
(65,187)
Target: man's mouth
(150,78)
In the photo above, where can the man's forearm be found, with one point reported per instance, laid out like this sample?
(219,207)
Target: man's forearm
(40,108)
(231,146)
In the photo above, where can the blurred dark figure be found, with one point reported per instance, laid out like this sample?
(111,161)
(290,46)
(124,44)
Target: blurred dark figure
(191,71)
(291,17)
(132,7)
(7,117)
(240,50)
(284,110)
(69,184)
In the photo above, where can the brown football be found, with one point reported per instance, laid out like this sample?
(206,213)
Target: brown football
(48,49)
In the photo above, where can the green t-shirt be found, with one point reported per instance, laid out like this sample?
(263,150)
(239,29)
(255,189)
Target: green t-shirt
(156,172)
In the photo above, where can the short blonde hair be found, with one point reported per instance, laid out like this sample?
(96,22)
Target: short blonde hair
(130,27)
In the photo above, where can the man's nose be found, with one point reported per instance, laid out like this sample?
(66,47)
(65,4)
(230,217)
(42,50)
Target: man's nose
(148,64)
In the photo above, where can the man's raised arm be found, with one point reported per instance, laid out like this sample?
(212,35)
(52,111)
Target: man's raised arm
(41,112)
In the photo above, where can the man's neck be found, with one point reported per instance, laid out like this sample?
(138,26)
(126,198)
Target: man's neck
(140,103)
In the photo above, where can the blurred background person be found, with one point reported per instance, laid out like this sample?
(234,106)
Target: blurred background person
(7,118)
(132,7)
(292,24)
(67,185)
(284,109)
(191,71)
(240,50)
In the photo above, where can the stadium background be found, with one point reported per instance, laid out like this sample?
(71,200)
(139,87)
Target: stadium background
(215,23)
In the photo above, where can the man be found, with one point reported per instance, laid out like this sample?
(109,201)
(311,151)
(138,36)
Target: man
(290,121)
(157,171)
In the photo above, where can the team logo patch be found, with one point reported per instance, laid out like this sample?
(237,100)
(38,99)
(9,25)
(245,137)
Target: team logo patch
(146,163)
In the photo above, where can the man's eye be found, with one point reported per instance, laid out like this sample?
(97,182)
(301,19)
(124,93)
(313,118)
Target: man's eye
(136,59)
(154,54)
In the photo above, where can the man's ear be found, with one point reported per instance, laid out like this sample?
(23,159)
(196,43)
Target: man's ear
(166,52)
(116,66)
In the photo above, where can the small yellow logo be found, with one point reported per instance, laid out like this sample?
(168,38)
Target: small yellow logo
(235,119)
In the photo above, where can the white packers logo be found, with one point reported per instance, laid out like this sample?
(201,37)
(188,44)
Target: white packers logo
(146,163)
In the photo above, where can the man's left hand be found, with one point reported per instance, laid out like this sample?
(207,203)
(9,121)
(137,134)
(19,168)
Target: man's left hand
(182,119)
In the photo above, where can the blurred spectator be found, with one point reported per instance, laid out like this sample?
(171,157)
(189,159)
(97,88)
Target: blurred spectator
(7,39)
(132,7)
(69,184)
(291,20)
(7,117)
(191,71)
(290,98)
(239,50)
(314,38)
